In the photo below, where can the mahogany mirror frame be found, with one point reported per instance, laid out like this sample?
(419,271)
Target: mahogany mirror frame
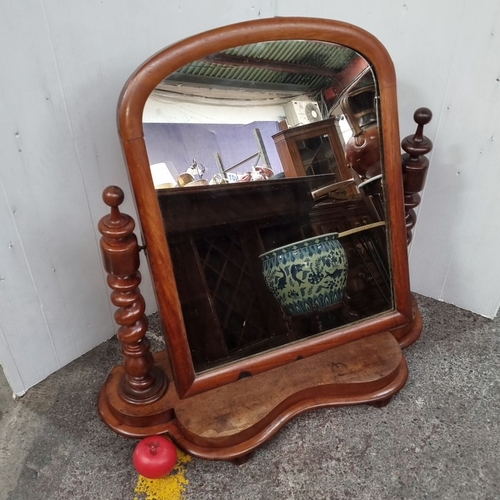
(130,112)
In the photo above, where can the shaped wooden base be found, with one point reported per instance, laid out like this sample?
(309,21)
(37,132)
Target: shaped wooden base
(229,422)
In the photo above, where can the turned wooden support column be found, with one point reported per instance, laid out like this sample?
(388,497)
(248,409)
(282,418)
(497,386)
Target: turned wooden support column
(415,166)
(142,382)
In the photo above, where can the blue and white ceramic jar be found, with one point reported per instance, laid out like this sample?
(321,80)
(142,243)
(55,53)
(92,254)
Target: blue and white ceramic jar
(307,276)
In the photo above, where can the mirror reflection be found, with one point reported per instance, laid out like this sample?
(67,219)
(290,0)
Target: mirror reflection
(267,163)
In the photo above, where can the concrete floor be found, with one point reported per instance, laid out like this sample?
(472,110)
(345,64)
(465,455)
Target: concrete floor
(438,439)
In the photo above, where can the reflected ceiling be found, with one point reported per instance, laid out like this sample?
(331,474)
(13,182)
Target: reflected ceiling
(284,67)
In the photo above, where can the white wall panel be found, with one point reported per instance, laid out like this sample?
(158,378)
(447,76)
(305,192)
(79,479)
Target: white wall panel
(48,322)
(63,66)
(454,256)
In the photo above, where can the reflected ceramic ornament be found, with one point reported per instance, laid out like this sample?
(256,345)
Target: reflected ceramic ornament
(307,276)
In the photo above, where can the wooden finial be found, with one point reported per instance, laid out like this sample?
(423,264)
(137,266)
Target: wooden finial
(422,116)
(113,196)
(417,144)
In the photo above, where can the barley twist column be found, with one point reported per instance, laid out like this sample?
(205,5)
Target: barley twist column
(415,166)
(142,382)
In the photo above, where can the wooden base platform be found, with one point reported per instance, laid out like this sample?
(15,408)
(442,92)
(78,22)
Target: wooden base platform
(229,422)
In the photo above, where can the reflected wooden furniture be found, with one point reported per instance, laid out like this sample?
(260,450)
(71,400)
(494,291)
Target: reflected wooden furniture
(312,149)
(368,287)
(214,243)
(227,411)
(362,150)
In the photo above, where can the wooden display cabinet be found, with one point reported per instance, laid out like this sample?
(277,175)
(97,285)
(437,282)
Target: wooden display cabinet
(312,149)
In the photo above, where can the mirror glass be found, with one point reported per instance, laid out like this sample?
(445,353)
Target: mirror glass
(267,163)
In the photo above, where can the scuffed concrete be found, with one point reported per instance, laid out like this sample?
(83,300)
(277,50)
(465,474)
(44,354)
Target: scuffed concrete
(439,438)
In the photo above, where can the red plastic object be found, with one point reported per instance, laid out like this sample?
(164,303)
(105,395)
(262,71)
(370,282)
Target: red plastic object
(155,457)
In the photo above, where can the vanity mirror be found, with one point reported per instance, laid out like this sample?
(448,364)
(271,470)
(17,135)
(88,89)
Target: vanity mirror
(265,164)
